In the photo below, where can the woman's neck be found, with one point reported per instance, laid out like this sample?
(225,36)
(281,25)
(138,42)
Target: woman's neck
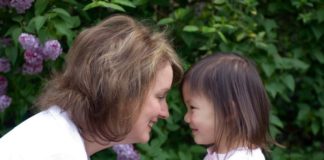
(93,147)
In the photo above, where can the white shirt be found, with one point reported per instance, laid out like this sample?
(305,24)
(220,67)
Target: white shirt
(48,135)
(236,154)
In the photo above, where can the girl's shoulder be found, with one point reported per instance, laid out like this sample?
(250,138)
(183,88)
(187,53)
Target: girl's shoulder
(246,154)
(237,154)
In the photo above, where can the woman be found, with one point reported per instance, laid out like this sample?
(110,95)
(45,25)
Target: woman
(112,91)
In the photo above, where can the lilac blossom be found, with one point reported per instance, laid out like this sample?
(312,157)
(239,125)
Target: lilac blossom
(29,41)
(5,102)
(4,3)
(3,85)
(21,5)
(4,65)
(32,68)
(126,152)
(52,49)
(5,41)
(33,57)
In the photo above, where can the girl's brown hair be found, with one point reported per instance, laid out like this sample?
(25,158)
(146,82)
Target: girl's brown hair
(108,72)
(241,105)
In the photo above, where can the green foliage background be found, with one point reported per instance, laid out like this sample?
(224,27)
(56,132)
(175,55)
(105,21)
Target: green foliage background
(284,38)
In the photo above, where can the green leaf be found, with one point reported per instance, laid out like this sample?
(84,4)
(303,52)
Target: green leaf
(268,69)
(289,81)
(197,149)
(320,15)
(124,3)
(40,6)
(181,13)
(64,30)
(18,19)
(261,45)
(218,1)
(221,35)
(91,5)
(276,121)
(304,112)
(319,56)
(270,24)
(11,53)
(205,29)
(320,98)
(289,63)
(240,36)
(164,21)
(183,156)
(315,127)
(274,87)
(271,89)
(103,4)
(271,49)
(31,26)
(14,31)
(39,22)
(320,114)
(298,64)
(112,6)
(318,31)
(190,28)
(62,13)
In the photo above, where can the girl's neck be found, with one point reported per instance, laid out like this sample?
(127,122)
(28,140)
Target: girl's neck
(222,149)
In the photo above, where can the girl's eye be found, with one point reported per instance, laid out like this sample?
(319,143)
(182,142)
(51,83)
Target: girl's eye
(192,107)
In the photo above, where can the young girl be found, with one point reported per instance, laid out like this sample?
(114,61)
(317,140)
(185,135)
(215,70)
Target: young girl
(228,108)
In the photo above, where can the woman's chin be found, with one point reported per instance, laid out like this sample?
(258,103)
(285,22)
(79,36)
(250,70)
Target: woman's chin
(145,140)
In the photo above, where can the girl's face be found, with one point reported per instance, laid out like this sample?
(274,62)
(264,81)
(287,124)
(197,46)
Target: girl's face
(154,106)
(200,117)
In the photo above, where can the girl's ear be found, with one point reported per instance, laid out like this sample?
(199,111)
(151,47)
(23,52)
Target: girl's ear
(233,114)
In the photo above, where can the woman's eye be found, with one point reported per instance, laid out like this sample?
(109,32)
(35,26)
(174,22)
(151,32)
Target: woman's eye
(192,107)
(161,97)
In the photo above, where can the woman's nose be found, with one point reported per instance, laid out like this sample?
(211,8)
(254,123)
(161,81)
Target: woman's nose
(164,113)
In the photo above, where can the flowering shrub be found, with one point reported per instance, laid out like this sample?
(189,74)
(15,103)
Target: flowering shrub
(284,38)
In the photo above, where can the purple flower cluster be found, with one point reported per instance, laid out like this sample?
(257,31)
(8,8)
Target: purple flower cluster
(5,100)
(20,5)
(35,53)
(5,41)
(4,3)
(126,152)
(4,65)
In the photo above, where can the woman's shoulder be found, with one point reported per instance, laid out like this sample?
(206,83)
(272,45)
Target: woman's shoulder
(49,132)
(35,126)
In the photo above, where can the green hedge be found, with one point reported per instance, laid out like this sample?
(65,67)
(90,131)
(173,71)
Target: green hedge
(284,38)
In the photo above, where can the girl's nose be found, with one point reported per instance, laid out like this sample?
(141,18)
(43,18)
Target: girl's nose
(187,118)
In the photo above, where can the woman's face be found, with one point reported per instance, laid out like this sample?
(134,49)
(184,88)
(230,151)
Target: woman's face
(154,106)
